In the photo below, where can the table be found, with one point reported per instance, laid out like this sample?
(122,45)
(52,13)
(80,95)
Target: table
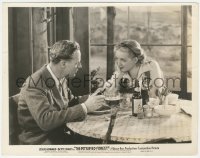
(130,129)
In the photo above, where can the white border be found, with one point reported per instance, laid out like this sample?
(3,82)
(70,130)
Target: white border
(5,56)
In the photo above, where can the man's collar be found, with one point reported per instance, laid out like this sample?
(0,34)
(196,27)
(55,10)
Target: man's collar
(54,77)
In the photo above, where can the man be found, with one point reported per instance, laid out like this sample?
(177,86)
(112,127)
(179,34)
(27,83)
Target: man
(43,108)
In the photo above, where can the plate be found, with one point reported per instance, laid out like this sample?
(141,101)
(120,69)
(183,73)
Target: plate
(99,112)
(102,110)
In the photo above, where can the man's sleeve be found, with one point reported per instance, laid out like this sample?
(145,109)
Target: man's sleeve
(46,117)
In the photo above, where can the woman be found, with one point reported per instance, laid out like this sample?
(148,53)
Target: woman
(131,63)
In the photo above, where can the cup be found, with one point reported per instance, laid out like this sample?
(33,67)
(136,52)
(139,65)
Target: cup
(172,98)
(148,112)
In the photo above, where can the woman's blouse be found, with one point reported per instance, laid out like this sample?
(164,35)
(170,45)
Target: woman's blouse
(149,75)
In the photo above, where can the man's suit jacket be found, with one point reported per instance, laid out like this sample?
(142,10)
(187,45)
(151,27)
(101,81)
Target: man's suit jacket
(42,113)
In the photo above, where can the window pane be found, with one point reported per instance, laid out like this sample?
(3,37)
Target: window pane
(98,25)
(189,69)
(99,59)
(155,24)
(138,23)
(169,59)
(121,24)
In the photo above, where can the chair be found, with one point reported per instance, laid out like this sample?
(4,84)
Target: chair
(14,128)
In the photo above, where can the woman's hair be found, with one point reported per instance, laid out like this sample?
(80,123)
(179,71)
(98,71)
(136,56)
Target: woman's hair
(133,48)
(63,49)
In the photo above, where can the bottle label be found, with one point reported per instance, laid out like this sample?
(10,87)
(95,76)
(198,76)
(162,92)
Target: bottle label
(136,103)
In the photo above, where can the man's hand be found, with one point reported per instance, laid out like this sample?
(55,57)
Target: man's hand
(94,101)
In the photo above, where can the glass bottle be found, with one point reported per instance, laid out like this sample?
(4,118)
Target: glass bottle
(126,93)
(136,100)
(145,90)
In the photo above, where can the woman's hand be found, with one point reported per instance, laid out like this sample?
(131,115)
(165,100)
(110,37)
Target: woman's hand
(116,79)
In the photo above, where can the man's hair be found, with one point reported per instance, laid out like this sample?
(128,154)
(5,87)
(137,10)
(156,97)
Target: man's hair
(63,49)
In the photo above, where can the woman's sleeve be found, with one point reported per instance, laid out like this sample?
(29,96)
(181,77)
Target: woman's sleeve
(156,75)
(156,79)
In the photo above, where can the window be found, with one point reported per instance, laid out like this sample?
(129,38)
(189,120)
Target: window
(157,28)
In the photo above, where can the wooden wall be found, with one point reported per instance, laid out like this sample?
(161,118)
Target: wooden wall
(27,44)
(19,47)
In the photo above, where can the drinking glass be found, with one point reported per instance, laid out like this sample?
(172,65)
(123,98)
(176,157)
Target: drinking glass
(113,100)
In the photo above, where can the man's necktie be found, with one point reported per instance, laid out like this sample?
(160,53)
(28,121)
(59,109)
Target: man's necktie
(61,91)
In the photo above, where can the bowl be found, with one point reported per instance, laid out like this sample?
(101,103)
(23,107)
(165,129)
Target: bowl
(165,110)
